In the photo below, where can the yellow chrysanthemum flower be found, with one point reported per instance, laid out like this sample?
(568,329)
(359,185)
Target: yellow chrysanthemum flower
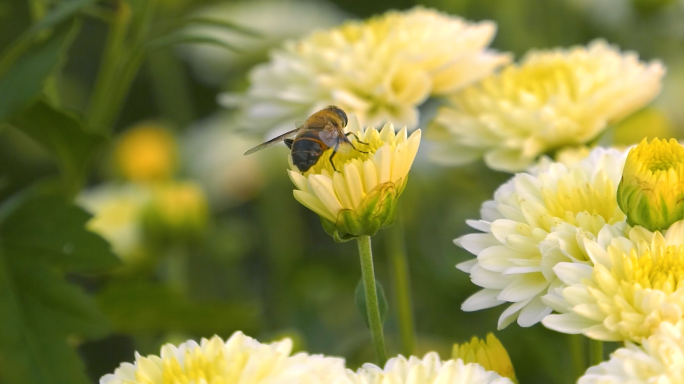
(651,192)
(381,69)
(490,354)
(658,360)
(361,197)
(428,370)
(535,221)
(176,209)
(240,359)
(550,100)
(146,152)
(636,283)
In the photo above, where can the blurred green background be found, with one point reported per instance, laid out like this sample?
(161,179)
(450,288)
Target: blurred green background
(224,246)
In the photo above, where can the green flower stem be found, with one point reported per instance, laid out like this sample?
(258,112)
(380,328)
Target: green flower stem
(366,256)
(595,352)
(177,268)
(402,286)
(577,348)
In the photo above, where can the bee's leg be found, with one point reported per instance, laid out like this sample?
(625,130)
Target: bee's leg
(357,138)
(331,157)
(288,142)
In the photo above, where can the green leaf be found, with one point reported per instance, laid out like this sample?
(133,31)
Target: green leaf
(63,135)
(52,229)
(187,38)
(23,79)
(360,299)
(39,311)
(152,308)
(210,22)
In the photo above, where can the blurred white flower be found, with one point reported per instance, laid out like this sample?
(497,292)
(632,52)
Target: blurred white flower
(534,222)
(428,370)
(658,360)
(635,284)
(381,69)
(275,21)
(214,158)
(550,100)
(117,210)
(240,359)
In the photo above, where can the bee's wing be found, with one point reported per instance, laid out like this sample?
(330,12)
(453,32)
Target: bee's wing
(274,140)
(335,139)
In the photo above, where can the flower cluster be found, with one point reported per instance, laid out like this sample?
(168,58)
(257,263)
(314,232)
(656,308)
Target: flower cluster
(358,195)
(552,99)
(381,69)
(242,359)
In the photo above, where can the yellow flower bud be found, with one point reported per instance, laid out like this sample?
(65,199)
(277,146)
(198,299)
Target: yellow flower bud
(651,192)
(176,210)
(146,152)
(360,196)
(490,354)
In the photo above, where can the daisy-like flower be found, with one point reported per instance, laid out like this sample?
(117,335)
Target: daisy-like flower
(240,359)
(550,100)
(658,360)
(381,69)
(651,191)
(635,284)
(428,370)
(361,196)
(534,222)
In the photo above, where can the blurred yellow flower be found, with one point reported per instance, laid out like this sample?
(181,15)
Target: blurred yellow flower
(240,359)
(428,370)
(490,354)
(146,152)
(117,211)
(176,209)
(536,221)
(361,197)
(550,100)
(658,360)
(635,284)
(381,69)
(651,192)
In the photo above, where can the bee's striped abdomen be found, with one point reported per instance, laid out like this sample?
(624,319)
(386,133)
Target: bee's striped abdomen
(306,150)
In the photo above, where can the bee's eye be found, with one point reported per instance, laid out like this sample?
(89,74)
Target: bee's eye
(341,113)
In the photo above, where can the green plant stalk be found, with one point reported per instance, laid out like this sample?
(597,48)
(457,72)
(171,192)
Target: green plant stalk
(577,348)
(170,87)
(402,287)
(595,352)
(374,320)
(176,268)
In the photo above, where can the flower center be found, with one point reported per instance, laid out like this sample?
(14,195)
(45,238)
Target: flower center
(661,268)
(577,195)
(660,155)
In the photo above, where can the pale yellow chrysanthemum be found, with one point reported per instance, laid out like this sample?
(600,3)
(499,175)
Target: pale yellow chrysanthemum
(240,359)
(635,284)
(550,100)
(381,69)
(490,354)
(659,360)
(428,370)
(361,196)
(534,222)
(146,152)
(651,192)
(117,211)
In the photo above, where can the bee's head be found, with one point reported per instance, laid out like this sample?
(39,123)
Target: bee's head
(340,113)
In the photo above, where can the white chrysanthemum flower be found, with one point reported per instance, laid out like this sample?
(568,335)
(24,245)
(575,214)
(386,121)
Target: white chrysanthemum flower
(240,359)
(381,69)
(360,196)
(635,284)
(534,222)
(660,360)
(274,20)
(550,100)
(117,212)
(428,370)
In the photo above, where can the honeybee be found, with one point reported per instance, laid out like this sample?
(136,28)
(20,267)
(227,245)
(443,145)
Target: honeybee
(322,130)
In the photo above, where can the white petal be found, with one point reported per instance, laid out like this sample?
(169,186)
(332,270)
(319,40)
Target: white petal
(323,188)
(567,323)
(533,313)
(313,204)
(483,299)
